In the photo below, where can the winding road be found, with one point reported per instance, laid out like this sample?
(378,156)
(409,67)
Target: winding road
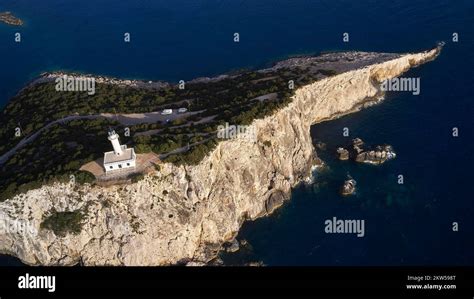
(30,138)
(136,117)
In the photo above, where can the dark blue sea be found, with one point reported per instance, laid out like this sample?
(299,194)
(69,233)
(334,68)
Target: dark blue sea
(409,224)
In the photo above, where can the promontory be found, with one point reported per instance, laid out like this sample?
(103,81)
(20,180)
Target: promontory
(198,188)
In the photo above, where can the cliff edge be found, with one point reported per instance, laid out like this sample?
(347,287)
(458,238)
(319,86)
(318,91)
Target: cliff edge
(183,214)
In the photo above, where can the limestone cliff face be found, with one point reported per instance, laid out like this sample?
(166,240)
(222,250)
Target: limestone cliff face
(183,214)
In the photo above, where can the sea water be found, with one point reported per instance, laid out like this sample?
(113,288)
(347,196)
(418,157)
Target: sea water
(408,224)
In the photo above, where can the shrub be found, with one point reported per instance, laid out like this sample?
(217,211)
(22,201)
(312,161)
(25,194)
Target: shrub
(137,177)
(83,177)
(62,223)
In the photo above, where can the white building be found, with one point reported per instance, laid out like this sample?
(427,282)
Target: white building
(121,157)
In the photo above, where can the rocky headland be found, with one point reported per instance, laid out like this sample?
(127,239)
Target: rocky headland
(183,214)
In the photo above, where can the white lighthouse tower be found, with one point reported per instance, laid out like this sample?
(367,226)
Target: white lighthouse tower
(114,139)
(121,158)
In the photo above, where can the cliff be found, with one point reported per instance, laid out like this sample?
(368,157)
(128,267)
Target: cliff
(183,214)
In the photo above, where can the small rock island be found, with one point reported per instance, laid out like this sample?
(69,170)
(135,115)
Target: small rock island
(378,156)
(381,154)
(8,18)
(349,187)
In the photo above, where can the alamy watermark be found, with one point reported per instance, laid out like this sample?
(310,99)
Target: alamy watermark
(17,227)
(237,131)
(340,226)
(28,281)
(72,83)
(402,84)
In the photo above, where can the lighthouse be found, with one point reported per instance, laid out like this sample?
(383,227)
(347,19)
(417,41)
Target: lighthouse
(121,158)
(114,139)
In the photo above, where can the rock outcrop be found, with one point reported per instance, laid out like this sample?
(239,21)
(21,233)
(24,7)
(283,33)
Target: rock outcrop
(8,18)
(349,187)
(343,154)
(381,154)
(184,214)
(357,145)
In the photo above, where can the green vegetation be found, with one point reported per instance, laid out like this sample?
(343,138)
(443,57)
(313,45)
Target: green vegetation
(63,148)
(83,177)
(55,155)
(137,177)
(327,72)
(62,223)
(194,155)
(162,143)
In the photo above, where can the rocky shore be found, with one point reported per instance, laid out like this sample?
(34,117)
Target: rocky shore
(183,215)
(52,76)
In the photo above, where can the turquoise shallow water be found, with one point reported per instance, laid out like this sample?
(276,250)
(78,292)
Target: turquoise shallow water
(173,40)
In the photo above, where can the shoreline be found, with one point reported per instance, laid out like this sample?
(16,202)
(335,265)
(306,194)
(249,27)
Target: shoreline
(291,169)
(308,179)
(274,64)
(291,60)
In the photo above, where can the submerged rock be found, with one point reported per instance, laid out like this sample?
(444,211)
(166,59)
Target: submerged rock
(255,264)
(232,246)
(195,264)
(216,262)
(343,154)
(349,187)
(318,162)
(8,18)
(358,144)
(244,243)
(320,145)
